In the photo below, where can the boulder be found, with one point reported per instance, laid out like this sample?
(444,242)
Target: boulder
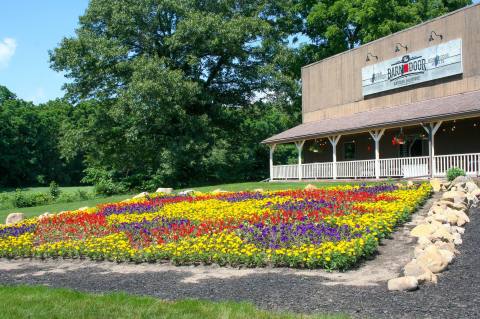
(186,192)
(455,197)
(476,193)
(310,187)
(165,190)
(471,187)
(45,215)
(447,255)
(423,230)
(83,208)
(451,217)
(14,218)
(417,251)
(445,246)
(442,234)
(419,271)
(459,230)
(472,200)
(433,259)
(141,195)
(449,204)
(409,183)
(461,180)
(457,239)
(423,242)
(406,283)
(218,191)
(436,184)
(258,190)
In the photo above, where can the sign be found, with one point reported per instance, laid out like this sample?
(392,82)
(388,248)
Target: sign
(420,66)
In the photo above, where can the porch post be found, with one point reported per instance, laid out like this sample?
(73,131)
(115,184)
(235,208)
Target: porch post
(431,129)
(299,145)
(377,135)
(334,141)
(272,149)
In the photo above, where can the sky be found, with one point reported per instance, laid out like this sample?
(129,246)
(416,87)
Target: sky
(28,30)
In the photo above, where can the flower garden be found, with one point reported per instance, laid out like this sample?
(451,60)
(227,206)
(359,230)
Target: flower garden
(331,228)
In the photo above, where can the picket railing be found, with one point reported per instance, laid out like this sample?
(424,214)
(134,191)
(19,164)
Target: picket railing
(406,167)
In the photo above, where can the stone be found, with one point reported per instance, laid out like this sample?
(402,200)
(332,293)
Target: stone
(141,195)
(443,234)
(471,187)
(461,214)
(83,208)
(423,242)
(409,183)
(423,230)
(455,197)
(407,283)
(14,218)
(449,204)
(461,180)
(447,255)
(418,271)
(459,230)
(476,193)
(310,187)
(436,184)
(45,215)
(258,190)
(457,239)
(417,251)
(165,190)
(186,192)
(451,217)
(433,259)
(445,246)
(472,200)
(218,191)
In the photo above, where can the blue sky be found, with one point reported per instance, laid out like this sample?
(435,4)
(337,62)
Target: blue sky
(28,30)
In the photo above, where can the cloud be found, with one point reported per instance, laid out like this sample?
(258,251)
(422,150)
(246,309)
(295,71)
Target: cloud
(7,50)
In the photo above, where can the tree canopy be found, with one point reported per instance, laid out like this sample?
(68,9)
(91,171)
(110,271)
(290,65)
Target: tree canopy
(181,92)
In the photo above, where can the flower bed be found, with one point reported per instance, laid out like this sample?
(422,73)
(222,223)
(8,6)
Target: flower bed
(330,228)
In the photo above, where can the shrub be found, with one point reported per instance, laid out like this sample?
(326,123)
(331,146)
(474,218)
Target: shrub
(454,172)
(54,189)
(24,199)
(109,187)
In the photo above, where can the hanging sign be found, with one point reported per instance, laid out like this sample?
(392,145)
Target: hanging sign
(420,66)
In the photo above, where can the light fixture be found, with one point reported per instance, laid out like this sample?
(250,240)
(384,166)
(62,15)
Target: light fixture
(368,57)
(431,38)
(398,45)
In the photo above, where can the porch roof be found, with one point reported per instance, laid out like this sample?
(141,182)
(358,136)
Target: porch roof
(445,108)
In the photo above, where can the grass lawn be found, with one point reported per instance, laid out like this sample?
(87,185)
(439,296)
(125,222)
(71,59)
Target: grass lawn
(270,186)
(46,188)
(42,302)
(58,207)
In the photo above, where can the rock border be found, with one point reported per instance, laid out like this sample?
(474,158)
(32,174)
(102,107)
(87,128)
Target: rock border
(438,233)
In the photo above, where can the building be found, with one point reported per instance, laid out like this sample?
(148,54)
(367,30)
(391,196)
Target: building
(406,105)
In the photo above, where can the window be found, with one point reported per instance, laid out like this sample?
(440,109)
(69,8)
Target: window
(349,151)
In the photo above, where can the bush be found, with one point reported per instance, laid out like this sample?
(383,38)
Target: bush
(108,187)
(454,172)
(54,189)
(23,199)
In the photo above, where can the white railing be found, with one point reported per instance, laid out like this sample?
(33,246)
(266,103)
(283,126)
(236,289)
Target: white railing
(355,169)
(405,167)
(317,170)
(468,162)
(285,171)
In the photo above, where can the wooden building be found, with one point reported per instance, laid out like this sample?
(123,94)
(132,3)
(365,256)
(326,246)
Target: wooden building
(406,105)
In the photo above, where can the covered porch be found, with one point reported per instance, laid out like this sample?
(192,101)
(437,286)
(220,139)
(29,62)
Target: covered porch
(418,140)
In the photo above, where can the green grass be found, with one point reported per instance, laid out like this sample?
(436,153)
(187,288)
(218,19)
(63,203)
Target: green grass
(42,302)
(46,189)
(58,207)
(269,186)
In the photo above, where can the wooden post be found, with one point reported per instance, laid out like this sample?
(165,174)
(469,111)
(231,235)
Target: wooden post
(377,135)
(272,149)
(334,141)
(299,145)
(431,129)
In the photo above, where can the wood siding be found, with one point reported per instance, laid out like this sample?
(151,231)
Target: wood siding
(332,87)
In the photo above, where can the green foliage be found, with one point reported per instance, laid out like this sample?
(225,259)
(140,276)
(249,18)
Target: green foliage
(454,172)
(54,189)
(29,199)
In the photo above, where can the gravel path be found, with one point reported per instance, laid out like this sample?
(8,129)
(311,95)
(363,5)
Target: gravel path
(457,295)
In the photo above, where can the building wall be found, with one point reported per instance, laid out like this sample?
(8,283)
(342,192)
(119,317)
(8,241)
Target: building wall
(332,87)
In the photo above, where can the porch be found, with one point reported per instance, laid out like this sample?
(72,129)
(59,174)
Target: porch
(391,144)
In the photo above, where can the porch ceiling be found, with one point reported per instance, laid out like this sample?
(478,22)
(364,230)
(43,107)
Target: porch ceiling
(445,108)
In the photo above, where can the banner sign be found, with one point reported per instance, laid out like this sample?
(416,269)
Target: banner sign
(420,66)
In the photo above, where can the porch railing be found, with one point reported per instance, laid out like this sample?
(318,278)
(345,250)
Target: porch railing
(389,167)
